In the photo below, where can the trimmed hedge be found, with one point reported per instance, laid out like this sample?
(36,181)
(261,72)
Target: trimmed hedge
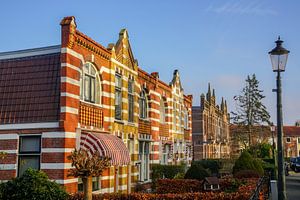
(213,165)
(165,186)
(247,162)
(185,196)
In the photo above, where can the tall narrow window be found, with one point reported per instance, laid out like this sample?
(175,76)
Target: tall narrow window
(174,116)
(29,153)
(89,83)
(130,100)
(186,119)
(144,157)
(118,97)
(143,105)
(162,111)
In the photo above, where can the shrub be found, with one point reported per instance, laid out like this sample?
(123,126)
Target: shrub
(165,171)
(178,186)
(196,172)
(179,176)
(213,165)
(32,184)
(246,162)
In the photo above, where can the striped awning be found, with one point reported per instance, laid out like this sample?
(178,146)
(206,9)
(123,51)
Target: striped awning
(107,145)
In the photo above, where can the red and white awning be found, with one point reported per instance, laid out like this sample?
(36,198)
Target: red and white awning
(107,145)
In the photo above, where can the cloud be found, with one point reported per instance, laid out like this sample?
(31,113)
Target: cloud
(242,8)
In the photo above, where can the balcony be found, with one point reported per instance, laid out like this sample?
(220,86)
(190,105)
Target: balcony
(90,115)
(187,134)
(144,127)
(164,130)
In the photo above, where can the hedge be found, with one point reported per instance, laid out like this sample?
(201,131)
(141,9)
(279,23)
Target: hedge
(186,196)
(178,186)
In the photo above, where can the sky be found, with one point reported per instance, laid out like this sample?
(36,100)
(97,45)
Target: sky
(218,42)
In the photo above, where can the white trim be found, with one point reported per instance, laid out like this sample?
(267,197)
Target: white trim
(156,143)
(107,177)
(105,82)
(70,66)
(58,135)
(123,176)
(154,161)
(8,166)
(108,94)
(155,152)
(124,66)
(14,151)
(30,52)
(123,187)
(107,190)
(57,150)
(154,110)
(153,128)
(56,166)
(106,70)
(29,125)
(12,136)
(67,109)
(155,93)
(72,81)
(65,181)
(73,53)
(108,107)
(67,94)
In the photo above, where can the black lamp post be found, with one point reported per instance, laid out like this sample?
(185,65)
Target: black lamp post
(279,57)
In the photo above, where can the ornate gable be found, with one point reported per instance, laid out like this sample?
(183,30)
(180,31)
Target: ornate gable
(176,80)
(123,51)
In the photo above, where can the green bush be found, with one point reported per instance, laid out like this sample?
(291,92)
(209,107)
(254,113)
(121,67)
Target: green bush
(196,172)
(246,162)
(33,185)
(212,165)
(179,176)
(165,171)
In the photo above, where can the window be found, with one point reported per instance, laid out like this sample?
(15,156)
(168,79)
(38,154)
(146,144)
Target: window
(162,111)
(29,153)
(288,139)
(144,157)
(165,154)
(95,184)
(143,105)
(89,84)
(118,96)
(130,100)
(298,140)
(186,119)
(174,116)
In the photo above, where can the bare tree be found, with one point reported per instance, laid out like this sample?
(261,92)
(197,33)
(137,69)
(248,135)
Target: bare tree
(87,166)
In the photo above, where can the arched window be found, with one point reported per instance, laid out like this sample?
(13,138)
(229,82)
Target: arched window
(143,105)
(90,84)
(162,111)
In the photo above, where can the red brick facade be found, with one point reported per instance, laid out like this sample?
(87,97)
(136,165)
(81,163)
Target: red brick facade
(59,108)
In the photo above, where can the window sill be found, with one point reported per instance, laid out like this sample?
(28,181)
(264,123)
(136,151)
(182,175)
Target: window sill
(119,121)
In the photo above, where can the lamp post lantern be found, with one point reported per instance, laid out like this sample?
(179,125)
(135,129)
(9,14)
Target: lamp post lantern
(279,57)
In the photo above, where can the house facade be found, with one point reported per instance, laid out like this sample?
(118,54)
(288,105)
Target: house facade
(81,94)
(291,141)
(210,128)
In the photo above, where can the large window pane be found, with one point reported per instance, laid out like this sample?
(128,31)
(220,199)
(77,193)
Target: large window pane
(92,91)
(30,144)
(86,88)
(26,162)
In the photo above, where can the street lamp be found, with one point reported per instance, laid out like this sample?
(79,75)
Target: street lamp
(272,128)
(279,57)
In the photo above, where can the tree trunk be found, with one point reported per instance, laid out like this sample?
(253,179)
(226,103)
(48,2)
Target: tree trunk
(87,188)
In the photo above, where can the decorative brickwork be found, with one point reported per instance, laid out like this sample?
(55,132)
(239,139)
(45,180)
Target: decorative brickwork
(90,115)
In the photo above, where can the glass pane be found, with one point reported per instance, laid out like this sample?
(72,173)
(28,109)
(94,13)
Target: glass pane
(93,71)
(86,88)
(86,68)
(118,81)
(130,86)
(30,144)
(26,162)
(92,89)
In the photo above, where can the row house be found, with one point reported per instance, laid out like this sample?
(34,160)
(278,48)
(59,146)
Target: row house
(291,141)
(210,128)
(80,94)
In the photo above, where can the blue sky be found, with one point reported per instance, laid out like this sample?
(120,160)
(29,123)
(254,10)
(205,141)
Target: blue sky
(220,42)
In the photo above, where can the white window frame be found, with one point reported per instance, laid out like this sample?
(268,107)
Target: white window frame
(143,105)
(118,96)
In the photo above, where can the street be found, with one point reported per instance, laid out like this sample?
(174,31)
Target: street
(293,185)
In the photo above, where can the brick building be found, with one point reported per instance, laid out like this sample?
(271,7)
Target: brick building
(80,94)
(210,128)
(291,141)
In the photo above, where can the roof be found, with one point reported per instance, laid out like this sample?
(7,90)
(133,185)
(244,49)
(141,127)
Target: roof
(291,131)
(29,87)
(212,180)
